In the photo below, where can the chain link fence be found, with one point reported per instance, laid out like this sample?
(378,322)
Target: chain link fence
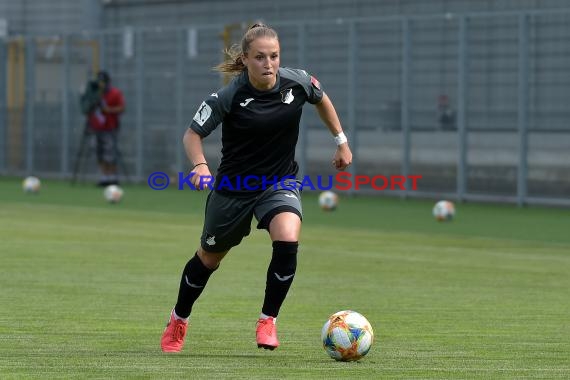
(474,103)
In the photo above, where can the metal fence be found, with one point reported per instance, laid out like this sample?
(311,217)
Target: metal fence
(474,103)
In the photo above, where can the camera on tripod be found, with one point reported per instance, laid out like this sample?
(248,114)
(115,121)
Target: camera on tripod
(91,97)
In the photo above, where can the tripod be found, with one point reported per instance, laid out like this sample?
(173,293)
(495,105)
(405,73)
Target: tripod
(83,153)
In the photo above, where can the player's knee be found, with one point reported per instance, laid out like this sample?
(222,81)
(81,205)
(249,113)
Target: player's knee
(288,236)
(211,260)
(285,227)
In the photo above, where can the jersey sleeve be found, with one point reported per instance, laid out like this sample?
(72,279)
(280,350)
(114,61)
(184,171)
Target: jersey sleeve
(310,84)
(120,99)
(315,91)
(209,115)
(114,98)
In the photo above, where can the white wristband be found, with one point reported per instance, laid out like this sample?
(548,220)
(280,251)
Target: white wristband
(340,138)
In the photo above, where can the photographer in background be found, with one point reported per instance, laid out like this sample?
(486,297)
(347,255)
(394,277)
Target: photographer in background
(102,104)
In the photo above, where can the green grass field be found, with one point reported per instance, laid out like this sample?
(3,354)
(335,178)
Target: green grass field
(86,288)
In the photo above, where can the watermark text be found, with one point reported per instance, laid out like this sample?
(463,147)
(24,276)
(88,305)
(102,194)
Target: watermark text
(342,181)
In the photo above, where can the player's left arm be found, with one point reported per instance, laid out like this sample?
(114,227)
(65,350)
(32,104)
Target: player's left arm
(343,156)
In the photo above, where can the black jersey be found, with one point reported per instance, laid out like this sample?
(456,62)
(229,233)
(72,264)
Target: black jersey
(260,129)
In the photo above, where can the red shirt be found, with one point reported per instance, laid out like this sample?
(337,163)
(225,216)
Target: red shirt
(102,121)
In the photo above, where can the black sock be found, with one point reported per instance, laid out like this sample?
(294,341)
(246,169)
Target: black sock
(280,276)
(194,279)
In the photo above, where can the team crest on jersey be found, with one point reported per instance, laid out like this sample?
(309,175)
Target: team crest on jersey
(287,96)
(211,240)
(203,114)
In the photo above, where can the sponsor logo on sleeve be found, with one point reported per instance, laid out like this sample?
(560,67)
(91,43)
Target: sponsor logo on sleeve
(203,114)
(315,82)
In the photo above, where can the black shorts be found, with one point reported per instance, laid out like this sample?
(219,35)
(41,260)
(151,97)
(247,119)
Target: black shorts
(228,219)
(106,146)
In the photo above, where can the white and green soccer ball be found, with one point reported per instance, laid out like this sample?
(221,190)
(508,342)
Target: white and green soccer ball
(113,194)
(328,200)
(347,336)
(443,211)
(31,185)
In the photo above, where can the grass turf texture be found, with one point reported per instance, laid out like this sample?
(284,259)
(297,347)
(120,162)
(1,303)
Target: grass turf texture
(86,288)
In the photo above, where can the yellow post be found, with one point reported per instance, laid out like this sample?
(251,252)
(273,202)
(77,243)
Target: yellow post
(15,102)
(227,38)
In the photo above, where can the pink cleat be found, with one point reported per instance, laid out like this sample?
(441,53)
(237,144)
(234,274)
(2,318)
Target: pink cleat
(266,334)
(173,335)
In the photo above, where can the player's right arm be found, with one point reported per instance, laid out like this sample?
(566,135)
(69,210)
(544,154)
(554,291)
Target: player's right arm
(208,116)
(195,153)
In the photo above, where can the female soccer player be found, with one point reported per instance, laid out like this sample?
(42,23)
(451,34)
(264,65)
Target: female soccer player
(260,111)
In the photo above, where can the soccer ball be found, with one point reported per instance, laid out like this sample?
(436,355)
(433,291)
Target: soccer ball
(31,185)
(328,200)
(443,211)
(347,336)
(113,194)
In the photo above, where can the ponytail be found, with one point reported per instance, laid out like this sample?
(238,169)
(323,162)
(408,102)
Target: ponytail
(233,63)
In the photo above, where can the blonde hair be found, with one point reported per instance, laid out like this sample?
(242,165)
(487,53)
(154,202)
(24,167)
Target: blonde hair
(233,63)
